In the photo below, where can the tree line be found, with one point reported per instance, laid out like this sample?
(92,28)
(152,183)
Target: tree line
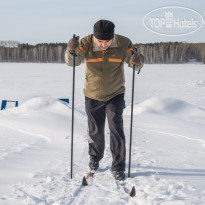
(170,52)
(173,52)
(40,53)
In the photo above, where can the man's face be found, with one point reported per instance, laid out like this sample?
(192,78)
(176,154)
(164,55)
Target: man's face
(103,44)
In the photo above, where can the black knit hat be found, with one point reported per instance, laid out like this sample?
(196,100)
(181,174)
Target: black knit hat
(104,30)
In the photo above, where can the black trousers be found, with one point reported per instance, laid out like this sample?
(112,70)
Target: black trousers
(97,112)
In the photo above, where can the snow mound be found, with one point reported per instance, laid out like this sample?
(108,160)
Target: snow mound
(167,106)
(42,104)
(198,83)
(43,117)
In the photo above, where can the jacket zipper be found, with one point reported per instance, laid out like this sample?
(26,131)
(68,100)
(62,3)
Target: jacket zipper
(103,53)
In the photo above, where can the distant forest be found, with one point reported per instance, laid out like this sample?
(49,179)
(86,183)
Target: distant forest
(168,53)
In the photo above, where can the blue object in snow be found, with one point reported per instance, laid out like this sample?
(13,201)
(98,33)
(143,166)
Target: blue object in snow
(65,100)
(4,103)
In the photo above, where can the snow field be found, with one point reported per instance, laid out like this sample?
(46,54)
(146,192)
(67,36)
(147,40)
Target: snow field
(168,144)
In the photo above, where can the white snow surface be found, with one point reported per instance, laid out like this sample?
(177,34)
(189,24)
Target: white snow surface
(168,145)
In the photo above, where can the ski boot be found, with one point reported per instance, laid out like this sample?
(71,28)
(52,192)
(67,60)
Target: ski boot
(93,165)
(118,175)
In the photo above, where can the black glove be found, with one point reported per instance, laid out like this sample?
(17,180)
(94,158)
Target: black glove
(73,43)
(135,58)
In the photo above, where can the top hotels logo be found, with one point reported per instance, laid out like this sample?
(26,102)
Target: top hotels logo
(173,21)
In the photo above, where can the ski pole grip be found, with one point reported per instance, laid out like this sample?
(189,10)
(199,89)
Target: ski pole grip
(74,36)
(136,50)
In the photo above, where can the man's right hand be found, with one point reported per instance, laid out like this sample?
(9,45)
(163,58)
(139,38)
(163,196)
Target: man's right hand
(73,43)
(135,58)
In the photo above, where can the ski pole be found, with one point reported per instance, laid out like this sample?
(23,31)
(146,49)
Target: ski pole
(133,83)
(72,124)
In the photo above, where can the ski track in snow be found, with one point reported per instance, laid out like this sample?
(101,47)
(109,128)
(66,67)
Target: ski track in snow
(174,134)
(28,133)
(150,189)
(53,188)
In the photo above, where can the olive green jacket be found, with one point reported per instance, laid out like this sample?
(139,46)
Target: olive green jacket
(104,74)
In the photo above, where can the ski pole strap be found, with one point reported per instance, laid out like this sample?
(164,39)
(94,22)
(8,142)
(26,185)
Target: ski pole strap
(139,71)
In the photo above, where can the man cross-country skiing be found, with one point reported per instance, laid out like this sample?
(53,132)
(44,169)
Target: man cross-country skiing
(105,53)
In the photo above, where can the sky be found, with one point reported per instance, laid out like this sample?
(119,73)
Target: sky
(51,21)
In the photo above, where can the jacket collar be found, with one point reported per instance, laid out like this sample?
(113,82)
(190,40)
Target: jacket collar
(96,48)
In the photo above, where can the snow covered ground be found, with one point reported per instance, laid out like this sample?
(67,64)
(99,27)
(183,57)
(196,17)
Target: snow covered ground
(168,148)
